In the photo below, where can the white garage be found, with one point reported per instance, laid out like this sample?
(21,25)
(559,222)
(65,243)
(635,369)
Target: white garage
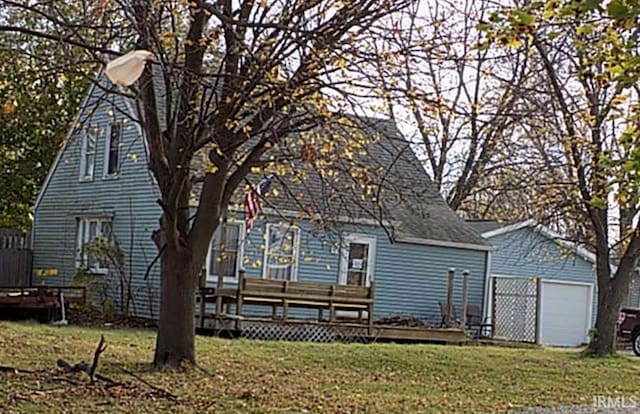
(540,287)
(565,313)
(544,311)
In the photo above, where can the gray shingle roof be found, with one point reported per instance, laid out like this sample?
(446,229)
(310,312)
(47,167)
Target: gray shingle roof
(404,198)
(409,203)
(483,226)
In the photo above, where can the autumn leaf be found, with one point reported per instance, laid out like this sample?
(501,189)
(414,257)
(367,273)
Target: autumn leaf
(8,108)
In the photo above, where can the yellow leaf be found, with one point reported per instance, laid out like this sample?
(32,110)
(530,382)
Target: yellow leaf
(8,107)
(515,43)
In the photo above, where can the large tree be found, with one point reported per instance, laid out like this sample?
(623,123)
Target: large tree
(460,97)
(228,79)
(588,54)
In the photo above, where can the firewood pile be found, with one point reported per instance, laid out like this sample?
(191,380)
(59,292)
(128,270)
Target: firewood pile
(403,320)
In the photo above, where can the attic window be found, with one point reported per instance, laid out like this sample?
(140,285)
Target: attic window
(112,151)
(88,153)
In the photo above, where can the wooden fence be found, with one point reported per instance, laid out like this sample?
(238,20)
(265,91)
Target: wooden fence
(15,258)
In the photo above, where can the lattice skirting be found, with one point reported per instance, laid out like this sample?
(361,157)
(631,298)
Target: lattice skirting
(303,332)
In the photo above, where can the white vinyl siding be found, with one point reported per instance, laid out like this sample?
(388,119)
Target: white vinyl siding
(281,252)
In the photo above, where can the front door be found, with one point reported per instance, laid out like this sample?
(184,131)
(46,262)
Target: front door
(357,259)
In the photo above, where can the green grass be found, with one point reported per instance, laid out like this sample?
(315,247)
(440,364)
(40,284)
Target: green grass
(275,377)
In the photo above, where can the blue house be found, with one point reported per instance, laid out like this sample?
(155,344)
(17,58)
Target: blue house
(100,185)
(534,268)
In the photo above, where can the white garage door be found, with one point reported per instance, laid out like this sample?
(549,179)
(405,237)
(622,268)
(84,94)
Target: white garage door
(565,313)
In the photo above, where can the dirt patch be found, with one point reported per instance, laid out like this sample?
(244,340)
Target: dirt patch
(91,317)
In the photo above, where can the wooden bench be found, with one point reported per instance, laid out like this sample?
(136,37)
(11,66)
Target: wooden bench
(285,294)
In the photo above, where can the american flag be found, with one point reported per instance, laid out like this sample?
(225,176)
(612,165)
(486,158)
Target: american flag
(252,201)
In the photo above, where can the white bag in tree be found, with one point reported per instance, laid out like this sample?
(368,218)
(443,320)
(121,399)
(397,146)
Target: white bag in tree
(126,69)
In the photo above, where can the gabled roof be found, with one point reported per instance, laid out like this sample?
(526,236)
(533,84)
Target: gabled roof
(483,226)
(409,203)
(410,206)
(492,229)
(65,143)
(77,125)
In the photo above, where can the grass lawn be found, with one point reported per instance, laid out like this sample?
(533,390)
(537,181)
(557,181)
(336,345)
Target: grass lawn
(274,377)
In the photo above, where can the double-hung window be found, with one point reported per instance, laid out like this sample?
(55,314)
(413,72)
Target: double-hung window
(89,230)
(112,150)
(88,152)
(225,252)
(281,252)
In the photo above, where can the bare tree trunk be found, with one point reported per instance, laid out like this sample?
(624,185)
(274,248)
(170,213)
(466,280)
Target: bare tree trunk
(603,340)
(184,251)
(175,342)
(612,292)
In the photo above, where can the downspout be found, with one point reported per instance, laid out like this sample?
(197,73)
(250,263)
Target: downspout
(487,290)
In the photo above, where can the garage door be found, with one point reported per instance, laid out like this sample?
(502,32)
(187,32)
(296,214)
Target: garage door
(565,313)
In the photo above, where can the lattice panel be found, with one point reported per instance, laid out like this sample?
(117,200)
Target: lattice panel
(514,306)
(303,332)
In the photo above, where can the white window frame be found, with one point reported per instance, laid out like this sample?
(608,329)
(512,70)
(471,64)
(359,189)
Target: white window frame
(349,238)
(296,248)
(240,254)
(82,238)
(83,152)
(107,152)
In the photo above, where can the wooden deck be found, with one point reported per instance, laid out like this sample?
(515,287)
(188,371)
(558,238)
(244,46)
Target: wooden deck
(323,331)
(220,311)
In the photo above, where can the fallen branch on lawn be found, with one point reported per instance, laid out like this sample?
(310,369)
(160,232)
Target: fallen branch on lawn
(14,370)
(90,370)
(164,392)
(96,356)
(67,380)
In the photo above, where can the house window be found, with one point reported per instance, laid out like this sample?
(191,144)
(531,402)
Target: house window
(281,252)
(225,252)
(88,153)
(112,150)
(90,229)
